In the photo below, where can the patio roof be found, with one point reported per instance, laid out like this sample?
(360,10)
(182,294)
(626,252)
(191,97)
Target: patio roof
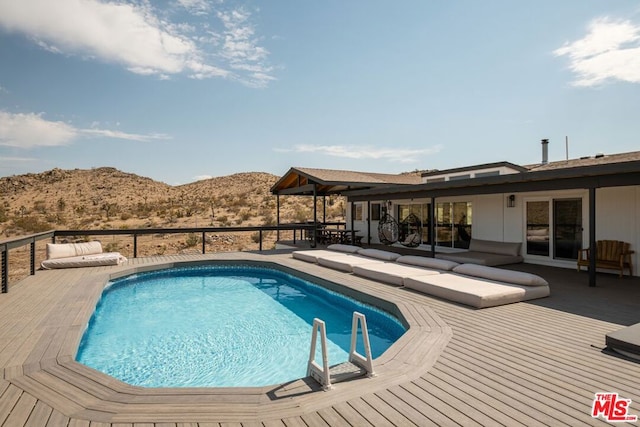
(589,173)
(309,181)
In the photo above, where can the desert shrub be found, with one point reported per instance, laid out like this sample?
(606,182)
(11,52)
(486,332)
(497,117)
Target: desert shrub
(111,247)
(245,215)
(56,218)
(269,219)
(302,214)
(32,224)
(255,237)
(192,240)
(40,206)
(125,216)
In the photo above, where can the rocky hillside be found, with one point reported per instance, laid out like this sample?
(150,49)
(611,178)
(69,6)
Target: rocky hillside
(106,198)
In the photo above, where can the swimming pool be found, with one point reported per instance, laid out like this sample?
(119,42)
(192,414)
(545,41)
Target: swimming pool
(220,326)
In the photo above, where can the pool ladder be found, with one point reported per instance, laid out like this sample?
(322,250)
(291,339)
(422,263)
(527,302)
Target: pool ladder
(358,365)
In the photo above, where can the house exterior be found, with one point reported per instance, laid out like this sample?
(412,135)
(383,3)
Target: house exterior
(553,208)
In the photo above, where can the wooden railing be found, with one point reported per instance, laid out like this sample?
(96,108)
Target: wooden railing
(21,242)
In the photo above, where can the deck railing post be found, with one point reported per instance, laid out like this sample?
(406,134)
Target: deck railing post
(135,245)
(33,257)
(260,247)
(203,242)
(5,270)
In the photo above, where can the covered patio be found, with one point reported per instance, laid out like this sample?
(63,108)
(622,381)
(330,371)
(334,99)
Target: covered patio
(322,183)
(592,175)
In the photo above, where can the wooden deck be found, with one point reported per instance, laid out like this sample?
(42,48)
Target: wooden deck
(534,363)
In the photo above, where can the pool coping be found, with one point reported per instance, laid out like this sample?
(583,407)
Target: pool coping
(84,393)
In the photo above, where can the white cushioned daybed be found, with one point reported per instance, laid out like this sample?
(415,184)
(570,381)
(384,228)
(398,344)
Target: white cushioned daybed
(471,284)
(481,286)
(332,250)
(345,257)
(486,252)
(85,254)
(347,262)
(405,266)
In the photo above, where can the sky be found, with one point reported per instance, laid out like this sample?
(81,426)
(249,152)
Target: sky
(181,90)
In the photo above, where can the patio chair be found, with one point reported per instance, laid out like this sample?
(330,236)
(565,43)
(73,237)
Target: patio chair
(610,254)
(412,228)
(388,230)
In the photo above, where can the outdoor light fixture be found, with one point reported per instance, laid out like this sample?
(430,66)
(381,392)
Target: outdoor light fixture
(511,201)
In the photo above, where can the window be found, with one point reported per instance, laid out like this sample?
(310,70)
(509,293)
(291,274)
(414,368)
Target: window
(357,215)
(490,173)
(459,177)
(421,210)
(376,209)
(453,224)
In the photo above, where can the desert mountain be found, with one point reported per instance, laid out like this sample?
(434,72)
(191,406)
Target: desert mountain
(106,198)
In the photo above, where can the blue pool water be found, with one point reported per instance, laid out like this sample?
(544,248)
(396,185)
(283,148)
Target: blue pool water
(221,326)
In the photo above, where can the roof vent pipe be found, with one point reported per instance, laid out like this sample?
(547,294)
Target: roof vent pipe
(545,151)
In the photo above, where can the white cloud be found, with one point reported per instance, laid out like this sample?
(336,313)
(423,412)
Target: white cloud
(196,7)
(116,134)
(202,177)
(11,160)
(365,152)
(240,48)
(609,51)
(136,36)
(29,130)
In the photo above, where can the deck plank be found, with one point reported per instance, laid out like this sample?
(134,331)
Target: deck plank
(8,400)
(40,415)
(57,419)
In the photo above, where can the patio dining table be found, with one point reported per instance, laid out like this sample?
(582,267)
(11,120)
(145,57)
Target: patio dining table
(337,235)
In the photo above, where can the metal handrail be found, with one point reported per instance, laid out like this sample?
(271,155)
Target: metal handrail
(31,240)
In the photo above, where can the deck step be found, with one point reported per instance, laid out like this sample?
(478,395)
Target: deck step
(345,371)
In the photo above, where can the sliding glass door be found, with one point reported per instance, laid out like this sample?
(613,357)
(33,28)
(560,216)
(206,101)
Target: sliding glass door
(453,224)
(567,228)
(420,210)
(560,238)
(538,228)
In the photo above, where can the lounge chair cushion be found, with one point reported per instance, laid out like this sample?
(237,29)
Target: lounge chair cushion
(626,341)
(422,261)
(313,254)
(495,247)
(339,247)
(66,250)
(482,258)
(500,275)
(91,260)
(473,291)
(391,273)
(345,262)
(379,254)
